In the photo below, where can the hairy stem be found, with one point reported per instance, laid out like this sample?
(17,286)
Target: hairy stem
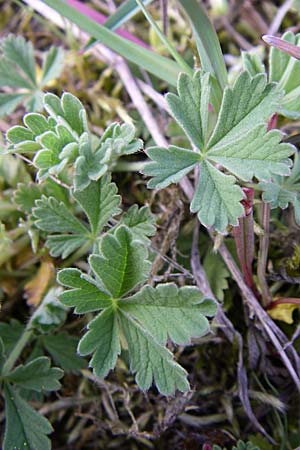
(244,240)
(263,254)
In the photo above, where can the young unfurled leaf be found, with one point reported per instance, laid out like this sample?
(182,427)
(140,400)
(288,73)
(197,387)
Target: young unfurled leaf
(62,140)
(25,428)
(36,375)
(285,70)
(55,139)
(92,164)
(239,143)
(62,348)
(50,314)
(145,318)
(18,71)
(99,201)
(140,221)
(281,192)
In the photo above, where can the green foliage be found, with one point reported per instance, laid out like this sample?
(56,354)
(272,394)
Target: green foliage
(285,70)
(282,191)
(140,221)
(10,334)
(99,201)
(216,273)
(25,428)
(62,348)
(239,143)
(252,63)
(37,375)
(145,318)
(62,141)
(18,71)
(117,140)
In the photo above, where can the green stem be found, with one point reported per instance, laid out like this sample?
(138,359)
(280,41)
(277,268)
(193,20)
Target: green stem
(17,350)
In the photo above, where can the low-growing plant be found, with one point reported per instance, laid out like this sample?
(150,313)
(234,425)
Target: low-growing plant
(104,253)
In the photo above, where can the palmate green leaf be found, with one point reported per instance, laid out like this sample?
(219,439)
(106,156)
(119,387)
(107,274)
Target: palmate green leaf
(167,311)
(62,348)
(37,375)
(285,70)
(145,319)
(140,221)
(18,71)
(99,201)
(239,143)
(25,428)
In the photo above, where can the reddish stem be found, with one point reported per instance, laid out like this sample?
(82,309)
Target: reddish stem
(284,300)
(244,239)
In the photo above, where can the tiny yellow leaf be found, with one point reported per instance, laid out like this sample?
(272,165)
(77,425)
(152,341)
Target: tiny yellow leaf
(283,311)
(35,288)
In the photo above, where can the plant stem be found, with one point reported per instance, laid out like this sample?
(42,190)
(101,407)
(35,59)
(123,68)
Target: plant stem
(244,240)
(263,254)
(17,350)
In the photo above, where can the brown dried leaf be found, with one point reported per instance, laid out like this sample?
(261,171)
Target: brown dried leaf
(35,288)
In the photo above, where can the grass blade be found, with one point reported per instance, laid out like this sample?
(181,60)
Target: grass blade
(125,12)
(122,14)
(160,66)
(186,68)
(207,41)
